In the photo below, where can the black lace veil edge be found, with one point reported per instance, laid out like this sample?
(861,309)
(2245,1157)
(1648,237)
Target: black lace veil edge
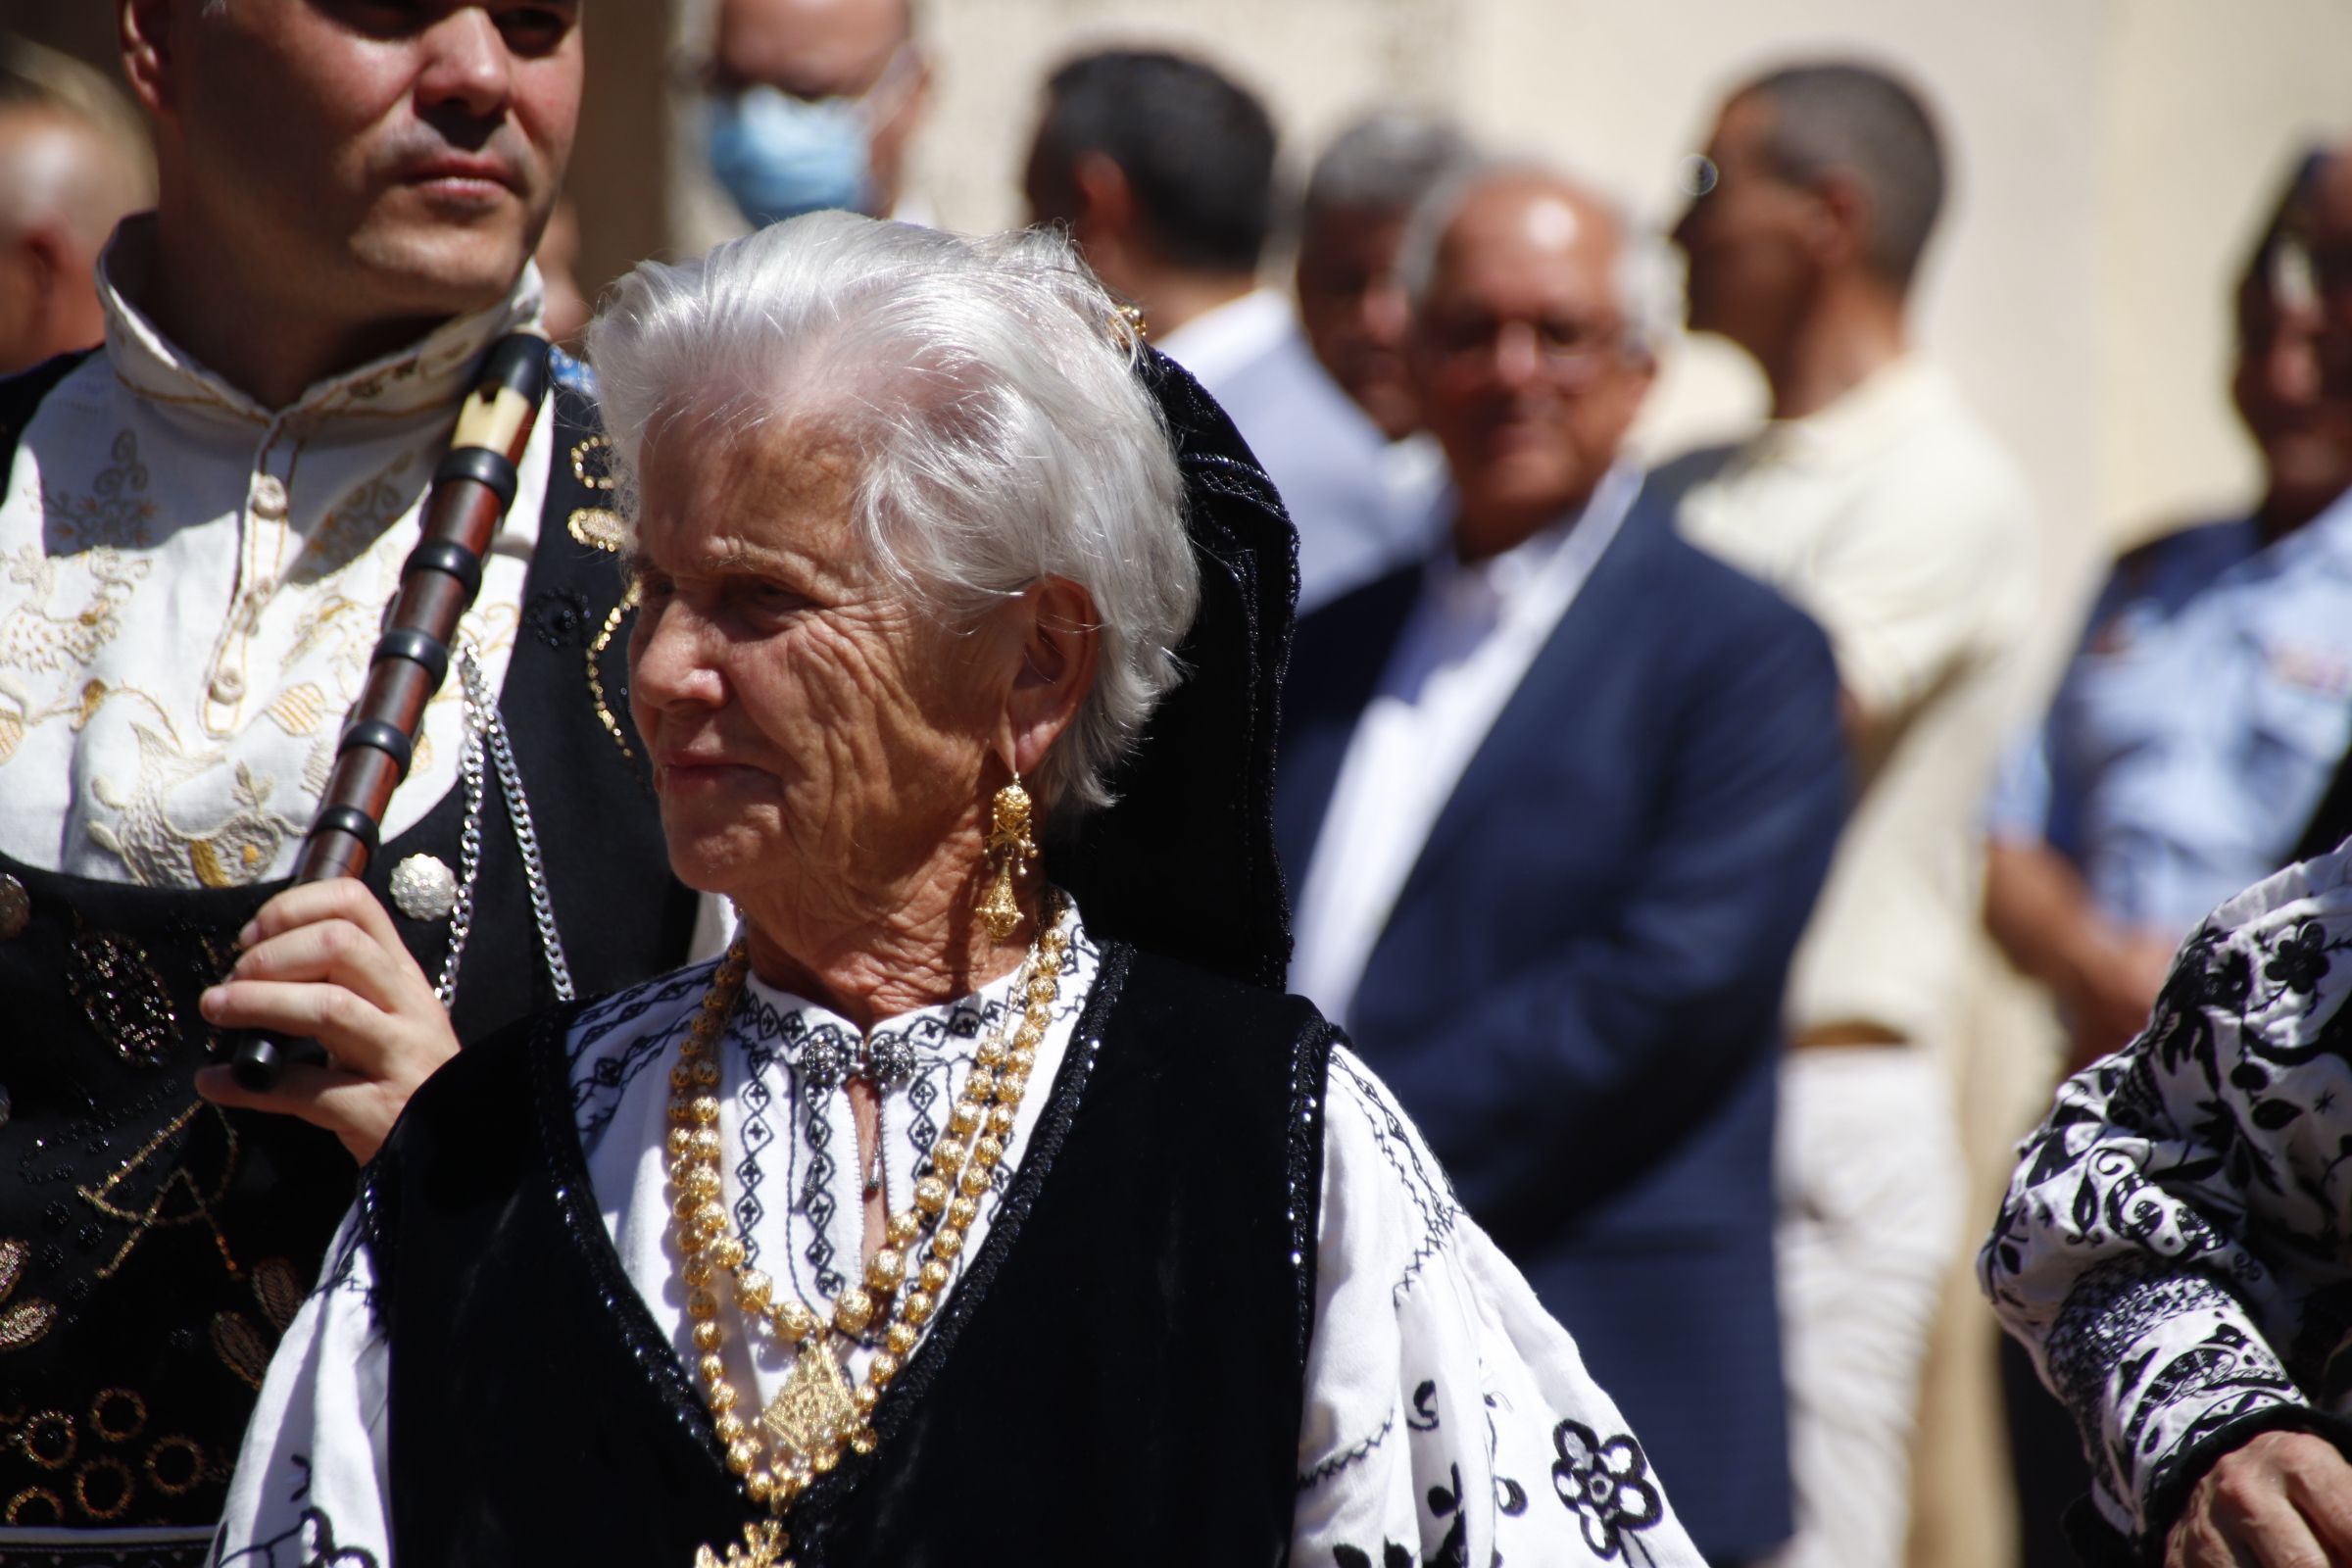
(1181,863)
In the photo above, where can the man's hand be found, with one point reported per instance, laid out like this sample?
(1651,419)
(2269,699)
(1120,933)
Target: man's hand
(322,961)
(2283,1500)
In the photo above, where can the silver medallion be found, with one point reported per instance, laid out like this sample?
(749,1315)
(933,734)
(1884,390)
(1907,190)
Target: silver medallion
(424,888)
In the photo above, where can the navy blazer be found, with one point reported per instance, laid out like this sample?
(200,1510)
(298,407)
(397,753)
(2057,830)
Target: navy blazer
(1578,994)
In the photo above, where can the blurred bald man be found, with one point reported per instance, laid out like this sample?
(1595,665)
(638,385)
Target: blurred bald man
(813,105)
(1558,802)
(64,181)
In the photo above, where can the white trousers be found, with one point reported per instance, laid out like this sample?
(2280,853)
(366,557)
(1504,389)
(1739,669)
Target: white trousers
(1870,1179)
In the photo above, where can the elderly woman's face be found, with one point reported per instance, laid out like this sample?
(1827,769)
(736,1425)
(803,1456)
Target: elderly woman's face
(816,736)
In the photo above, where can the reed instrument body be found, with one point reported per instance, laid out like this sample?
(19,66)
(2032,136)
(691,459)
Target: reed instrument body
(470,494)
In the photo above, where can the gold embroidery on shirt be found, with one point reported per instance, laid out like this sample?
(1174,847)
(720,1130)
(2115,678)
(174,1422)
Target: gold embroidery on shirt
(299,710)
(159,852)
(358,522)
(35,637)
(115,512)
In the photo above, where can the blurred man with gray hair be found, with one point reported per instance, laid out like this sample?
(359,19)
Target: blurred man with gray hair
(1556,803)
(68,172)
(1351,302)
(1878,503)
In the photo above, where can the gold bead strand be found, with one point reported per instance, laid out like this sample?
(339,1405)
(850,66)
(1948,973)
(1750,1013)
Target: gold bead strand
(706,1239)
(959,1170)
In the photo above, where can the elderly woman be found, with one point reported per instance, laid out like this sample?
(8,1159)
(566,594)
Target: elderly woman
(986,1202)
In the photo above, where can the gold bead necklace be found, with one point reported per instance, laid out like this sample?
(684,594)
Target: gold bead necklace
(818,1412)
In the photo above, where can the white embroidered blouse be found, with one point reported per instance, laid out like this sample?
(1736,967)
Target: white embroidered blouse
(1448,1417)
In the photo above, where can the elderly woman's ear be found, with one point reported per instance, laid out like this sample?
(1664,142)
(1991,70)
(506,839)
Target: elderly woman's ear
(1060,642)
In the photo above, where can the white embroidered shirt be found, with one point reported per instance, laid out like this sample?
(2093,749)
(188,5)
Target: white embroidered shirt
(191,585)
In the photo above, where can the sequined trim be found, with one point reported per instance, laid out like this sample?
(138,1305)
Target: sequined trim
(596,679)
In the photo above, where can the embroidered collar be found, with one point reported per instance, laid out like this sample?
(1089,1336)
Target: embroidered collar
(824,1047)
(429,373)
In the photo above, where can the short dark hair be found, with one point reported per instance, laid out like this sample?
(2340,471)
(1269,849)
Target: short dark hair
(1197,149)
(1861,121)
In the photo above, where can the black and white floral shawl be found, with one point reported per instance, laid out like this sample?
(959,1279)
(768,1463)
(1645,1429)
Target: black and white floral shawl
(2172,1245)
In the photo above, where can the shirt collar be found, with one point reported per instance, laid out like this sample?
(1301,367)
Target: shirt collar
(1220,341)
(430,373)
(1879,410)
(1513,573)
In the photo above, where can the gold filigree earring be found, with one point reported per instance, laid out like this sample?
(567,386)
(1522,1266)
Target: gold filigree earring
(1010,848)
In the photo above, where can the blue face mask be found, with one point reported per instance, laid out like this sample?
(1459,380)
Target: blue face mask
(780,156)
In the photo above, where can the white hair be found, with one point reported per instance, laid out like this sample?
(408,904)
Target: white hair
(1646,275)
(986,388)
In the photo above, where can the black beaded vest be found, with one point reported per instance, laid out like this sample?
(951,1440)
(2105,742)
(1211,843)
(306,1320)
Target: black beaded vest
(152,1248)
(1117,1377)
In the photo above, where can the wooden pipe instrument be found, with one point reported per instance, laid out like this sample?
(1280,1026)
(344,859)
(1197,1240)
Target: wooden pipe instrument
(470,493)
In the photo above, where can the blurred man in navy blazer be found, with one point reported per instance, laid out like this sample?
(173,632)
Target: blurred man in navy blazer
(1555,806)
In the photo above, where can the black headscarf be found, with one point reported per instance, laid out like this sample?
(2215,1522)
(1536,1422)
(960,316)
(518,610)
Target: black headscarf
(1182,863)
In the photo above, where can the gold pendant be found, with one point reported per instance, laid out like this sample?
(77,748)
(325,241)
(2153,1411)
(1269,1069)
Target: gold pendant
(763,1547)
(813,1412)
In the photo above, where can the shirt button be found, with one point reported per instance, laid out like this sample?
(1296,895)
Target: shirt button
(269,498)
(228,686)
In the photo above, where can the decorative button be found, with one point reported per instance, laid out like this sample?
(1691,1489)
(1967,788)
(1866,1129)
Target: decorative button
(228,686)
(16,908)
(269,498)
(424,888)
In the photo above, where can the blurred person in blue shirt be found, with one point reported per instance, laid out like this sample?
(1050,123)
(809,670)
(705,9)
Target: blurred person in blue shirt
(2209,700)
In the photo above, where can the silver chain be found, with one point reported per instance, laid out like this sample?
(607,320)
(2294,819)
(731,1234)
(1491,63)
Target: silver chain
(486,732)
(470,852)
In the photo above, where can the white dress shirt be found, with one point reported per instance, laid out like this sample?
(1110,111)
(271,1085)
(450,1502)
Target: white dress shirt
(1446,1415)
(1464,650)
(191,587)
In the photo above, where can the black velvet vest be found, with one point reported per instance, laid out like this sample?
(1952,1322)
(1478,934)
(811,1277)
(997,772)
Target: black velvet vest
(152,1248)
(1119,1377)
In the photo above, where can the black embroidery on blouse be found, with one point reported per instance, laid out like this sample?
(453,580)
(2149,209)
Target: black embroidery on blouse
(1064,1098)
(1606,1484)
(1392,1555)
(597,1093)
(1354,1454)
(310,1543)
(1425,1407)
(1426,1187)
